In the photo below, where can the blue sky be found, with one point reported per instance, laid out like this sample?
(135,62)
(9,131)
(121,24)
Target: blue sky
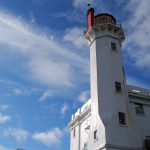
(44,65)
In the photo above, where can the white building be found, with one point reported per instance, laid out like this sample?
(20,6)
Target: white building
(117,117)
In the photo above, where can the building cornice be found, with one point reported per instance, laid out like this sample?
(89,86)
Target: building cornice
(102,29)
(78,119)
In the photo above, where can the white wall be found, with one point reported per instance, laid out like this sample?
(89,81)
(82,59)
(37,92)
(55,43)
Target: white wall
(74,141)
(106,68)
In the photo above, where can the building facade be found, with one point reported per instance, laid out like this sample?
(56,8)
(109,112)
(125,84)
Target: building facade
(117,117)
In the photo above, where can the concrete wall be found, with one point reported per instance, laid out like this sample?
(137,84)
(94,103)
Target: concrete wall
(74,140)
(82,134)
(85,131)
(80,122)
(140,126)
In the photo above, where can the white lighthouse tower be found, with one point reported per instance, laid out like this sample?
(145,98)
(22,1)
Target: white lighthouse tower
(107,121)
(108,85)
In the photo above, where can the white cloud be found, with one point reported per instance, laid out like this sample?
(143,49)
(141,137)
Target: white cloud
(46,95)
(48,72)
(64,108)
(137,41)
(4,106)
(43,59)
(2,81)
(50,137)
(17,133)
(2,147)
(75,36)
(32,18)
(23,91)
(84,96)
(66,130)
(4,118)
(17,91)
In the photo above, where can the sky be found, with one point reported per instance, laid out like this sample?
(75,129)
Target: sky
(44,65)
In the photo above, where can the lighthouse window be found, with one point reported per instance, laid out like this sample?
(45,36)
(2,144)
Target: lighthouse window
(118,87)
(122,119)
(95,135)
(113,46)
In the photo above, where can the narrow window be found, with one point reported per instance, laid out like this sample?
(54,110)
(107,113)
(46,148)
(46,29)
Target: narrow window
(95,135)
(74,132)
(139,109)
(113,46)
(85,146)
(122,119)
(118,87)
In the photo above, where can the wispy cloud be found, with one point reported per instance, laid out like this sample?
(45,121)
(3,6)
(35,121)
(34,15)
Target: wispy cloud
(46,71)
(64,109)
(84,96)
(50,137)
(137,41)
(20,90)
(8,82)
(32,18)
(17,133)
(4,118)
(75,36)
(46,95)
(44,60)
(4,107)
(17,91)
(2,147)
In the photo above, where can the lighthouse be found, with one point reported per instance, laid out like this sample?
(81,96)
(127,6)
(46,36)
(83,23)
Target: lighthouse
(107,121)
